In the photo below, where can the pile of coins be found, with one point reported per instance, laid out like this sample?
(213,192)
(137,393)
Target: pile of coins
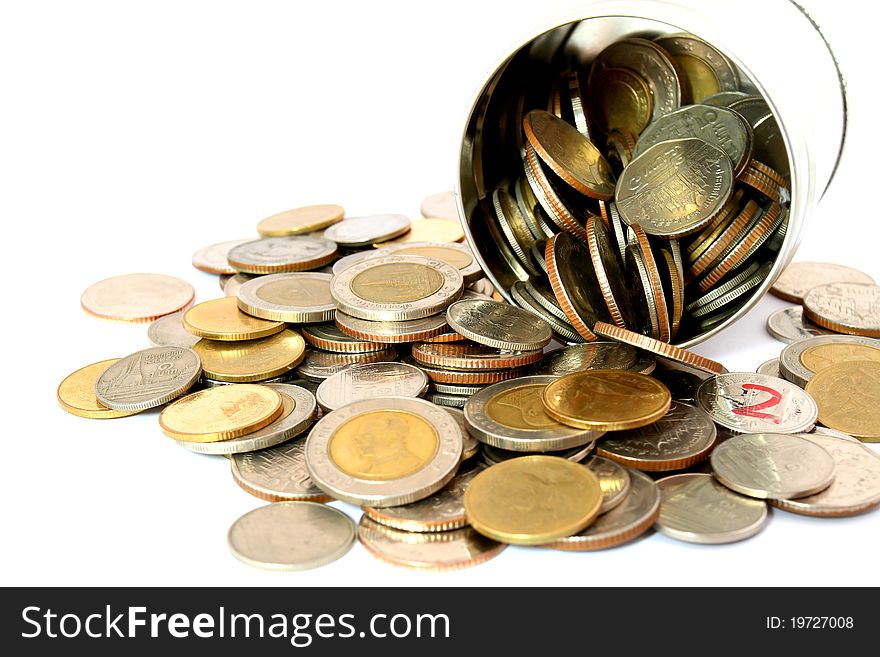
(648,190)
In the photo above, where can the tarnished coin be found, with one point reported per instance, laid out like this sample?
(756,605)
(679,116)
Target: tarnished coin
(277,474)
(426,230)
(391,332)
(770,368)
(371,380)
(439,551)
(136,297)
(221,413)
(569,154)
(852,308)
(213,259)
(251,360)
(442,511)
(772,466)
(633,517)
(575,284)
(470,445)
(856,485)
(442,204)
(800,360)
(298,412)
(609,273)
(396,288)
(614,480)
(492,455)
(697,509)
(706,70)
(848,396)
(330,338)
(498,325)
(756,403)
(148,378)
(532,500)
(291,536)
(300,220)
(799,278)
(299,298)
(221,319)
(362,231)
(384,452)
(589,356)
(273,255)
(318,365)
(510,415)
(675,187)
(76,393)
(606,400)
(232,285)
(681,438)
(790,325)
(457,255)
(471,356)
(168,331)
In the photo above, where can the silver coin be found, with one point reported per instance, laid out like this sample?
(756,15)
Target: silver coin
(456,389)
(377,438)
(825,431)
(560,328)
(755,403)
(645,306)
(442,511)
(697,509)
(207,382)
(618,228)
(599,355)
(298,414)
(291,536)
(458,255)
(510,415)
(498,325)
(856,485)
(526,202)
(724,98)
(223,279)
(148,378)
(363,231)
(514,229)
(168,331)
(770,368)
(318,364)
(492,455)
(213,259)
(799,278)
(773,466)
(614,480)
(630,519)
(468,293)
(789,325)
(352,258)
(684,47)
(752,108)
(445,400)
(537,252)
(713,297)
(718,126)
(371,380)
(392,332)
(281,254)
(726,299)
(680,439)
(442,205)
(541,292)
(330,338)
(848,307)
(470,445)
(231,286)
(397,288)
(277,474)
(298,297)
(850,347)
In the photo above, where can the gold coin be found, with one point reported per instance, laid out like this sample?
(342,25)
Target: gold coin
(606,400)
(383,445)
(532,500)
(137,297)
(221,319)
(821,356)
(455,257)
(300,220)
(76,393)
(221,413)
(431,229)
(848,396)
(625,102)
(251,360)
(522,408)
(396,282)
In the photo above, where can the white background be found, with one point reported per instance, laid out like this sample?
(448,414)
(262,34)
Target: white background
(132,134)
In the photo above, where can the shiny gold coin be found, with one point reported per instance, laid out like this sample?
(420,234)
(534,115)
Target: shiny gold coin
(300,220)
(221,319)
(848,396)
(455,257)
(76,393)
(625,101)
(431,229)
(251,360)
(221,413)
(396,282)
(532,500)
(606,400)
(137,298)
(821,356)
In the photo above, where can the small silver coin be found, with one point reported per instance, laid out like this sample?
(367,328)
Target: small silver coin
(363,231)
(727,293)
(148,378)
(446,401)
(456,389)
(168,331)
(297,297)
(789,325)
(277,474)
(597,355)
(492,455)
(213,259)
(318,364)
(801,360)
(271,255)
(770,368)
(498,325)
(773,466)
(291,536)
(371,380)
(561,328)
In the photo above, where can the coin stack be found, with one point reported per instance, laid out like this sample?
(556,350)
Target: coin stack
(646,190)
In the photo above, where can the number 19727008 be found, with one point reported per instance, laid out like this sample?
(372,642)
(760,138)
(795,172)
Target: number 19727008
(810,623)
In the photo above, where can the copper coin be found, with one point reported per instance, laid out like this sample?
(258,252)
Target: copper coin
(391,332)
(137,298)
(471,356)
(574,283)
(548,197)
(467,377)
(654,279)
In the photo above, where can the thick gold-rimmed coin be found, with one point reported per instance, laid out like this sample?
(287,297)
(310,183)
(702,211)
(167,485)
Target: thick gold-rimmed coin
(251,360)
(621,100)
(221,413)
(532,500)
(221,319)
(430,229)
(296,297)
(471,356)
(606,400)
(300,220)
(548,197)
(848,396)
(76,393)
(331,338)
(458,255)
(136,298)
